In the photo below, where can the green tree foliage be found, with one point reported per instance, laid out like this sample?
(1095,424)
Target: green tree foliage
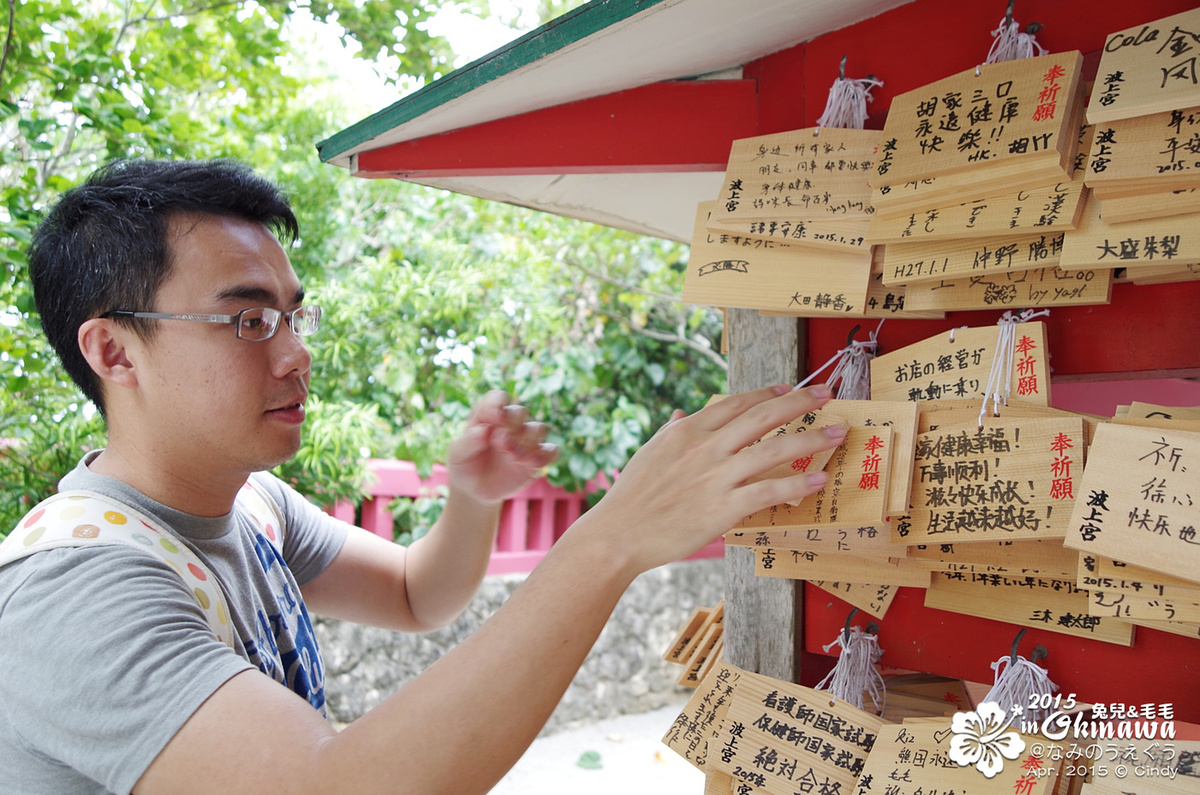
(431,297)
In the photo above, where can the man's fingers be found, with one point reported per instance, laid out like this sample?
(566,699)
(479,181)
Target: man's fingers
(760,418)
(776,450)
(719,414)
(775,491)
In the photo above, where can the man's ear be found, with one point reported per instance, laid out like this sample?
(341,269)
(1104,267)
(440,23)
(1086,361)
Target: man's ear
(104,345)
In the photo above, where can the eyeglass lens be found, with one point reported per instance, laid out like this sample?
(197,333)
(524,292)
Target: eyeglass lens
(260,323)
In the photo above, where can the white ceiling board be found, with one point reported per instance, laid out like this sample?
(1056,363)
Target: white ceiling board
(662,205)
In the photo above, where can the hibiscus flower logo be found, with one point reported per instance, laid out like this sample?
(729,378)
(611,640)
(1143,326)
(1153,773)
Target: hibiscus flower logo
(980,739)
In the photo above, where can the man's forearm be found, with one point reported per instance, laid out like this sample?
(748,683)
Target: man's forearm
(486,700)
(444,567)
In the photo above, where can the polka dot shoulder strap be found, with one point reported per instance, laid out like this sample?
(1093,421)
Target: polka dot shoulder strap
(83,518)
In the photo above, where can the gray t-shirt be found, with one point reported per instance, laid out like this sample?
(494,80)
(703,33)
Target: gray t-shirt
(104,653)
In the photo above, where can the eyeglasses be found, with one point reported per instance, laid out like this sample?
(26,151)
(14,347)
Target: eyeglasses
(256,324)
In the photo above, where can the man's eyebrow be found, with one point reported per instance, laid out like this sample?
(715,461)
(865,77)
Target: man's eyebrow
(256,294)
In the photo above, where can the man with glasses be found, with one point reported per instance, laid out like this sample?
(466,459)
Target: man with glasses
(172,304)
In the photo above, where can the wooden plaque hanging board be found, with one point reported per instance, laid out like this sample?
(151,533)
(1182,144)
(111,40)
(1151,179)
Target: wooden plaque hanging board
(1049,557)
(799,175)
(1004,482)
(1145,155)
(1138,500)
(1167,275)
(1121,209)
(684,640)
(1149,599)
(838,235)
(913,263)
(1109,568)
(869,597)
(781,738)
(1148,69)
(806,565)
(1135,245)
(956,364)
(1005,117)
(1131,605)
(1039,288)
(1054,605)
(890,300)
(701,718)
(946,413)
(703,657)
(727,270)
(913,758)
(1147,410)
(920,195)
(856,494)
(1047,208)
(1051,208)
(869,541)
(883,301)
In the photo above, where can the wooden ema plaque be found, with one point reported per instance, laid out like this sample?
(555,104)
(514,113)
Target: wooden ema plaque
(795,564)
(869,597)
(856,494)
(1048,208)
(810,174)
(913,759)
(1054,605)
(1003,482)
(1108,576)
(1039,288)
(1131,605)
(1051,208)
(890,300)
(1047,558)
(1120,209)
(997,122)
(1160,275)
(701,719)
(869,541)
(729,270)
(1147,154)
(838,235)
(915,263)
(1148,69)
(782,738)
(1138,499)
(1153,242)
(883,301)
(956,364)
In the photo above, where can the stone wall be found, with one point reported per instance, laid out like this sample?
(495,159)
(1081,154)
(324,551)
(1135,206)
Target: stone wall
(624,673)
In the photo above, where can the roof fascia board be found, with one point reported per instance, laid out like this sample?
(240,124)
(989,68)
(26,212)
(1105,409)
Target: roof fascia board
(561,32)
(663,127)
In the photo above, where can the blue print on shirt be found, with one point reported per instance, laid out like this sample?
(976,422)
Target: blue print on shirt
(286,646)
(302,665)
(266,551)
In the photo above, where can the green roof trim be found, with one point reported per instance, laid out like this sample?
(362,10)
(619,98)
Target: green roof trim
(571,27)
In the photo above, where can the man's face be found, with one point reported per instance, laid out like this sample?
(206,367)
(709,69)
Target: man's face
(213,401)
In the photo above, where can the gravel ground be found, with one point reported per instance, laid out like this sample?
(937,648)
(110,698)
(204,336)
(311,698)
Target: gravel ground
(622,755)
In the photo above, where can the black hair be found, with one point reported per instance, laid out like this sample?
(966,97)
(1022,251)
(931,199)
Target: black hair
(103,246)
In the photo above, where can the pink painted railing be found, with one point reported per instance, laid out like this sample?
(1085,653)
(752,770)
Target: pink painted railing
(530,521)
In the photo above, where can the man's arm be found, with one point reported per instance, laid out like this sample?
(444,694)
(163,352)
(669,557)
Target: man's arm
(462,724)
(427,585)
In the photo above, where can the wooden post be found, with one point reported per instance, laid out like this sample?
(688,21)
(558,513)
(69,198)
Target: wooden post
(762,614)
